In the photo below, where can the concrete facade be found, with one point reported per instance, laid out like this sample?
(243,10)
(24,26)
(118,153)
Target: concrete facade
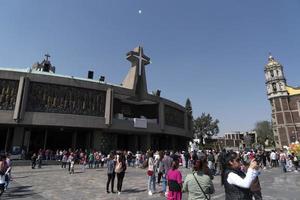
(39,109)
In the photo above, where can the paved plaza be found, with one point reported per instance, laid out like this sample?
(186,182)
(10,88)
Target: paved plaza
(52,182)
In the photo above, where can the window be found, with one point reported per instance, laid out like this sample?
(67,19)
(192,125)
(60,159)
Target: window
(274,87)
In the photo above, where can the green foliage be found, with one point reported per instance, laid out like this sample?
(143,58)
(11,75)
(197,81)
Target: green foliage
(264,133)
(205,126)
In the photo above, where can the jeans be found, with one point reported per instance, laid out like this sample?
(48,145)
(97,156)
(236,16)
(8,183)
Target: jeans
(110,178)
(7,179)
(283,164)
(120,177)
(151,183)
(164,183)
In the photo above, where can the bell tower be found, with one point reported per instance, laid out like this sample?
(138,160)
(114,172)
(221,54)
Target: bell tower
(275,80)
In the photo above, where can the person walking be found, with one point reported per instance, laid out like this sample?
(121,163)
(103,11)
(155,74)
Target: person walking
(160,167)
(282,158)
(33,161)
(64,161)
(39,160)
(273,158)
(167,163)
(151,173)
(8,171)
(236,183)
(198,185)
(111,163)
(174,179)
(2,174)
(120,171)
(186,158)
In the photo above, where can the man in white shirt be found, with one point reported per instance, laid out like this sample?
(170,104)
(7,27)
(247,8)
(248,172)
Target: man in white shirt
(273,158)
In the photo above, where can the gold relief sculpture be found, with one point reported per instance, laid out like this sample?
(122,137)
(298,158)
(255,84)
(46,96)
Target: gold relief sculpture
(65,99)
(8,94)
(54,102)
(174,117)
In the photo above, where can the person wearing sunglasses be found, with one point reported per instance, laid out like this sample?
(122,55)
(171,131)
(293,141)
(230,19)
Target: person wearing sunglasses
(236,182)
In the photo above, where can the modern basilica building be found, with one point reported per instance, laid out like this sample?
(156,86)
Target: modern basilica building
(42,110)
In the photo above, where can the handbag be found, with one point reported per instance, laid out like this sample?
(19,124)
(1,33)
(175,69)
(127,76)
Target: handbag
(174,186)
(150,173)
(200,187)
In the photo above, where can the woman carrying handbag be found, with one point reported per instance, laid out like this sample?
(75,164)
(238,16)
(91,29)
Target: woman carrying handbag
(198,185)
(120,171)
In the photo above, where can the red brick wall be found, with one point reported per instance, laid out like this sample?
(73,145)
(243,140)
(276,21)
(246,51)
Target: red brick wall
(277,104)
(284,102)
(294,102)
(279,118)
(296,117)
(282,136)
(288,117)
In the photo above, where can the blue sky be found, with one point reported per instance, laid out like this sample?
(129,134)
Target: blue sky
(211,51)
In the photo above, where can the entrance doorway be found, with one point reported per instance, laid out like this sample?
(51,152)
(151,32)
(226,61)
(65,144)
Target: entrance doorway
(59,138)
(3,135)
(37,139)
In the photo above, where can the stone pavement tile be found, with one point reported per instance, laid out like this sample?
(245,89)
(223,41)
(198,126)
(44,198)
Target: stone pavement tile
(52,182)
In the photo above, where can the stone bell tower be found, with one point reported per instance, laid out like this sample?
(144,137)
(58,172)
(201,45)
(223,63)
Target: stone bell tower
(278,95)
(275,80)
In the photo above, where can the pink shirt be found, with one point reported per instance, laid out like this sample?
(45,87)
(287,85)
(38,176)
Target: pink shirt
(174,175)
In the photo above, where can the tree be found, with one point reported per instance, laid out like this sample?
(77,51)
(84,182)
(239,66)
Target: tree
(188,106)
(205,126)
(264,133)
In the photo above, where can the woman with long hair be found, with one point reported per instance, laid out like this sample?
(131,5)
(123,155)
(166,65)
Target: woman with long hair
(174,179)
(151,173)
(198,184)
(110,172)
(236,183)
(120,171)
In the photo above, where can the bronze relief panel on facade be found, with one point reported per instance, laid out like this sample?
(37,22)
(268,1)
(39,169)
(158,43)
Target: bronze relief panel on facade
(8,94)
(174,117)
(53,98)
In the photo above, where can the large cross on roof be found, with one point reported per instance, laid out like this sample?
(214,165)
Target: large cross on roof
(137,56)
(47,56)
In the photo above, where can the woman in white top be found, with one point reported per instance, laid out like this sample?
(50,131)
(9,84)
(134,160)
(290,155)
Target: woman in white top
(151,173)
(236,183)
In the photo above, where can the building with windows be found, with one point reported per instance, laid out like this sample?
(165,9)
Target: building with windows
(285,104)
(43,110)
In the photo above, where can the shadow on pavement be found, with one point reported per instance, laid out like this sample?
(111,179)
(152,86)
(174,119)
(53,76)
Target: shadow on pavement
(18,192)
(134,190)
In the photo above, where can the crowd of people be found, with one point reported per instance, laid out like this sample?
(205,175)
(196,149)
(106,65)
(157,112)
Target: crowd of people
(239,171)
